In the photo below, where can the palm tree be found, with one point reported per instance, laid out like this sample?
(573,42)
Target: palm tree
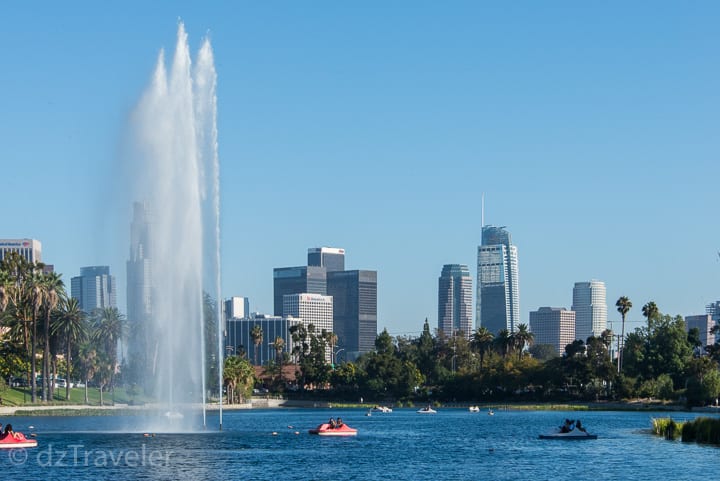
(36,296)
(650,311)
(70,323)
(87,364)
(6,285)
(279,344)
(522,337)
(504,342)
(109,329)
(482,339)
(623,307)
(257,337)
(53,290)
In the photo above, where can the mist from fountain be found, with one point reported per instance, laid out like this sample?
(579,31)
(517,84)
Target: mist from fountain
(175,173)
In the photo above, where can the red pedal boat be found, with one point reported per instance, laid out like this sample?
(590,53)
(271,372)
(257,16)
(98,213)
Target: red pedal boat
(326,430)
(17,441)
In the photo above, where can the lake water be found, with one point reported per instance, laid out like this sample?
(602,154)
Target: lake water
(453,444)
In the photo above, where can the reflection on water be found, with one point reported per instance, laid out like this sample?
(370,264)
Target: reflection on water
(453,444)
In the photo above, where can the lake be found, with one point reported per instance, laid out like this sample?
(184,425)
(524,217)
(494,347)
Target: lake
(403,445)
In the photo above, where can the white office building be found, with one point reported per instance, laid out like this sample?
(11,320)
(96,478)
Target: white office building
(590,306)
(554,326)
(30,249)
(314,309)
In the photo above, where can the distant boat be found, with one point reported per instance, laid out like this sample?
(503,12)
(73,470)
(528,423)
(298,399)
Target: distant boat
(382,409)
(426,410)
(491,412)
(474,409)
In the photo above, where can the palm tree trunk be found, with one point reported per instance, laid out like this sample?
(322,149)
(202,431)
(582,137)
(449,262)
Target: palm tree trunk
(101,394)
(50,381)
(87,400)
(67,364)
(33,365)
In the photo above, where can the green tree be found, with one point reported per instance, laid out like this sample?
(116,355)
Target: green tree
(543,352)
(36,296)
(71,325)
(256,333)
(238,378)
(53,291)
(522,337)
(623,305)
(109,329)
(482,339)
(504,342)
(650,311)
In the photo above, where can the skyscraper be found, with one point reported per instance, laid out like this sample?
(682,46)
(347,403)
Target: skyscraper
(704,324)
(554,326)
(498,295)
(354,296)
(455,300)
(30,249)
(297,280)
(94,288)
(237,308)
(139,287)
(590,306)
(312,309)
(331,258)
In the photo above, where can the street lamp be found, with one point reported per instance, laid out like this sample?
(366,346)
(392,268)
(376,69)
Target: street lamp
(334,355)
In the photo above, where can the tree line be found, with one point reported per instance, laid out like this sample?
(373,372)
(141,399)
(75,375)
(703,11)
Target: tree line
(661,360)
(39,322)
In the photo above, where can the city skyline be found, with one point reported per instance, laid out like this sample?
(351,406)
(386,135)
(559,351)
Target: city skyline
(590,129)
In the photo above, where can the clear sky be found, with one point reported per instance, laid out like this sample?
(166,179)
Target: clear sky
(591,127)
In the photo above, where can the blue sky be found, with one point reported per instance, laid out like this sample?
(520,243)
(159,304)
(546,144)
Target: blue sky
(592,129)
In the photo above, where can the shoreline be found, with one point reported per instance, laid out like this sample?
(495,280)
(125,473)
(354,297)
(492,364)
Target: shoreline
(262,403)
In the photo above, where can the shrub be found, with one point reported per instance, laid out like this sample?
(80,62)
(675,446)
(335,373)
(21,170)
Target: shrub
(667,428)
(702,430)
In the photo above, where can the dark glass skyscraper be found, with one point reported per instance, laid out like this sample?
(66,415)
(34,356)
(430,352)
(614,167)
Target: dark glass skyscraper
(455,300)
(354,310)
(297,280)
(331,258)
(498,297)
(94,288)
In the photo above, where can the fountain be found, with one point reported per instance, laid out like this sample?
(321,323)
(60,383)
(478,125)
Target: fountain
(174,172)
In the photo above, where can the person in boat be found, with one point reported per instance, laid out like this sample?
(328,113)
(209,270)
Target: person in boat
(332,423)
(567,426)
(579,426)
(339,423)
(9,431)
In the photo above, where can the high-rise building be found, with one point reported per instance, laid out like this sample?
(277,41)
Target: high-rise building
(498,294)
(237,308)
(312,309)
(354,295)
(455,300)
(554,326)
(714,310)
(29,249)
(704,323)
(139,286)
(590,306)
(239,341)
(297,280)
(331,258)
(94,288)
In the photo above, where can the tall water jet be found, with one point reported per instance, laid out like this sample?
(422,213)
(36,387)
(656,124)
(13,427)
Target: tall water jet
(175,179)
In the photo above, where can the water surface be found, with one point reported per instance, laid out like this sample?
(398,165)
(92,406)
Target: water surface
(403,445)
